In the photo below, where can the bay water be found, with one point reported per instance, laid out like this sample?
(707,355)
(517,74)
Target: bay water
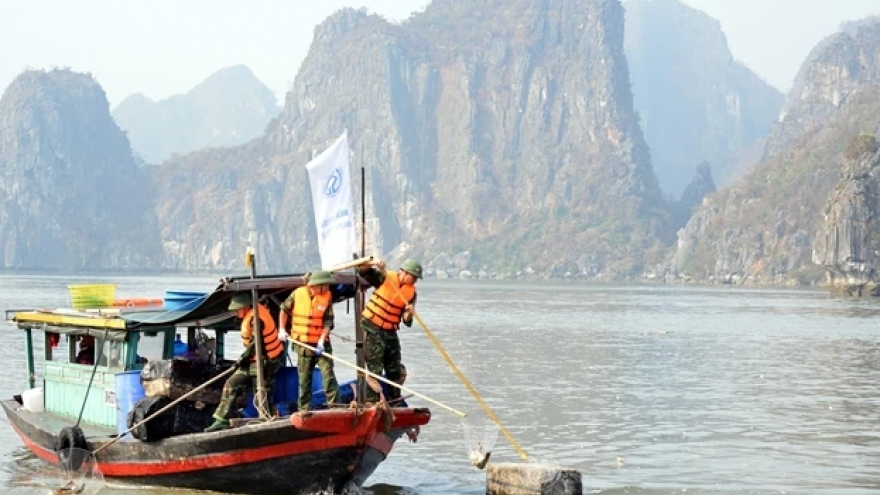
(643,389)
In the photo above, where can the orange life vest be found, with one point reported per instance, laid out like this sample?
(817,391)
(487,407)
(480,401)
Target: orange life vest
(308,314)
(272,346)
(386,305)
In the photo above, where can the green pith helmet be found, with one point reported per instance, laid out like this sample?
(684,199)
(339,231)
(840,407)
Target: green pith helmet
(321,277)
(412,267)
(240,300)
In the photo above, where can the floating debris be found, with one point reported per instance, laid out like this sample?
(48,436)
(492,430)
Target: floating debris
(71,488)
(480,459)
(479,439)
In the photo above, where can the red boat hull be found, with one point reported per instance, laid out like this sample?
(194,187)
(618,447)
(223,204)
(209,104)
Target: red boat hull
(291,455)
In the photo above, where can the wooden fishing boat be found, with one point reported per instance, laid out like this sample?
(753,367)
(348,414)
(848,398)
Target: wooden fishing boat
(321,450)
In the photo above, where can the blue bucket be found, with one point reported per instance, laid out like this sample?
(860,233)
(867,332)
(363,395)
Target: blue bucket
(128,391)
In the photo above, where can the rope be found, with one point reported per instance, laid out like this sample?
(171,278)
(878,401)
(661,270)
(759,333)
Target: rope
(96,359)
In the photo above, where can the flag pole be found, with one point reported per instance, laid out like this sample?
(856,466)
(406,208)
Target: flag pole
(360,299)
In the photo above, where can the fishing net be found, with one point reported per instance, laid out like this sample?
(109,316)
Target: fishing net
(86,479)
(479,438)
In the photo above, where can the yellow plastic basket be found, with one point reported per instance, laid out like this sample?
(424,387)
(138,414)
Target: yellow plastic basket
(85,296)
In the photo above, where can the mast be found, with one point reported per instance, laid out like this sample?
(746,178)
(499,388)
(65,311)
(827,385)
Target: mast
(359,300)
(261,396)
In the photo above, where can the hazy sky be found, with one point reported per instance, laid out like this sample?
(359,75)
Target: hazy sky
(164,47)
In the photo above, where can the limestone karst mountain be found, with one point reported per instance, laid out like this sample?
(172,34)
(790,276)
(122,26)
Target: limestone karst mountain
(696,102)
(72,196)
(763,228)
(500,131)
(228,108)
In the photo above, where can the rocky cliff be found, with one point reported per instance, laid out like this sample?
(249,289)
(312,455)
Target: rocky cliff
(700,186)
(696,103)
(497,133)
(848,240)
(838,68)
(762,229)
(230,107)
(73,197)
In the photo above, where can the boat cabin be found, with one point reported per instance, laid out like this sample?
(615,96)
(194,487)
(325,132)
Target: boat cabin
(125,340)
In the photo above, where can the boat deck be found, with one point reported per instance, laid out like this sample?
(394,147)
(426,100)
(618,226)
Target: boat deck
(53,422)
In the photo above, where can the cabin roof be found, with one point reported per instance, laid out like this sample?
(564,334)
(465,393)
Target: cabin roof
(272,289)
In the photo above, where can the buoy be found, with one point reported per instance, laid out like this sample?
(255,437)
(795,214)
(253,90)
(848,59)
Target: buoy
(532,479)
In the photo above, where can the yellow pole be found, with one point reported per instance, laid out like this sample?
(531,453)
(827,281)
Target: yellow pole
(467,384)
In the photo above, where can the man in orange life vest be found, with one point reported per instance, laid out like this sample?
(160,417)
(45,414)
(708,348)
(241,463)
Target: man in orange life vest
(391,303)
(246,374)
(311,307)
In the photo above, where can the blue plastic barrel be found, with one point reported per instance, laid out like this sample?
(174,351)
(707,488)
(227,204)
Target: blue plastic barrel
(180,346)
(287,390)
(128,391)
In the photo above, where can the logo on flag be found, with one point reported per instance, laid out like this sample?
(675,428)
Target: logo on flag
(334,183)
(330,183)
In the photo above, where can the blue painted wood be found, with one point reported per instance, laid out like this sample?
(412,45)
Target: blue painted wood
(65,387)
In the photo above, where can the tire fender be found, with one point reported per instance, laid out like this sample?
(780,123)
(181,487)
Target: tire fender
(71,447)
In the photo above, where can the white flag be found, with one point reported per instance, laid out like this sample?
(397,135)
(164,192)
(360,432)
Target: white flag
(330,179)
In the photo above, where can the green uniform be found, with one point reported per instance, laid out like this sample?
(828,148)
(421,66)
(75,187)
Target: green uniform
(381,347)
(307,361)
(245,377)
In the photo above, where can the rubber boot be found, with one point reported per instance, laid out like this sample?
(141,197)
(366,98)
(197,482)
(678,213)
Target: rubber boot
(217,425)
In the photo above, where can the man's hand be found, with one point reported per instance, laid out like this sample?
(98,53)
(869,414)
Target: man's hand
(245,357)
(319,349)
(282,335)
(408,311)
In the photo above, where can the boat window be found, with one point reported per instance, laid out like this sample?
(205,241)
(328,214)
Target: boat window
(84,347)
(151,346)
(204,344)
(57,347)
(114,354)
